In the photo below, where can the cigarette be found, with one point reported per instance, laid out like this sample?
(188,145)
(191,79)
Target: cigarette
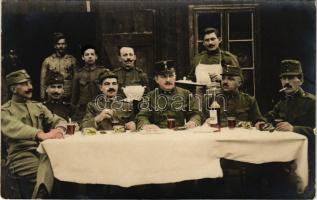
(284,88)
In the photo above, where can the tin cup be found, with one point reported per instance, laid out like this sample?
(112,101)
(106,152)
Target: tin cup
(231,122)
(70,129)
(171,123)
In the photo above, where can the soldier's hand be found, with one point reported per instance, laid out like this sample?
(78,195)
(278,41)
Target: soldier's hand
(284,126)
(130,126)
(190,124)
(56,133)
(214,77)
(105,114)
(259,124)
(150,127)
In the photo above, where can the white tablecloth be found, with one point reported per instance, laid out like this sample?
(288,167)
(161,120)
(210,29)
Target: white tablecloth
(167,156)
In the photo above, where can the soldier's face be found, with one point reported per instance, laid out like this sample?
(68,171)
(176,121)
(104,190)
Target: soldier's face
(166,82)
(55,91)
(211,42)
(292,83)
(127,56)
(109,87)
(230,83)
(24,90)
(90,57)
(60,46)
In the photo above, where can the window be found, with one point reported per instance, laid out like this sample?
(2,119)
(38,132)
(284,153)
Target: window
(237,29)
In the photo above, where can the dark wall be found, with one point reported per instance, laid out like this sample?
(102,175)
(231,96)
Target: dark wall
(285,30)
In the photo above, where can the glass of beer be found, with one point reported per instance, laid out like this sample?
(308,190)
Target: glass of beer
(231,122)
(170,123)
(70,129)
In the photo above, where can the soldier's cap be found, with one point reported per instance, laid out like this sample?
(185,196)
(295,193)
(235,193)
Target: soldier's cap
(16,77)
(164,67)
(106,74)
(230,70)
(54,78)
(290,67)
(57,36)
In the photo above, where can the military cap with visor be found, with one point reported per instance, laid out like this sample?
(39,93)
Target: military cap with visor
(164,67)
(106,74)
(54,78)
(17,77)
(230,70)
(290,67)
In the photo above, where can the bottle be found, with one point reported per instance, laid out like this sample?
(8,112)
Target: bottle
(214,115)
(214,112)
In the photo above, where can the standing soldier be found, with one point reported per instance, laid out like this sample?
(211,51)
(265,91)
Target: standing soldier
(168,101)
(23,122)
(85,82)
(54,98)
(206,66)
(128,73)
(298,114)
(60,62)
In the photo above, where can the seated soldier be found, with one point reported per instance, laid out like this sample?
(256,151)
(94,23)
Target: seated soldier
(297,112)
(167,101)
(23,122)
(244,108)
(108,108)
(54,100)
(238,104)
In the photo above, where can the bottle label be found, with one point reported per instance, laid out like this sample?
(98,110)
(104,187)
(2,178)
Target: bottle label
(213,117)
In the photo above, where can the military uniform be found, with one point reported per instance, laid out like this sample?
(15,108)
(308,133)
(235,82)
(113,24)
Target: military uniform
(60,107)
(65,65)
(158,105)
(86,86)
(298,110)
(211,58)
(123,112)
(21,121)
(131,76)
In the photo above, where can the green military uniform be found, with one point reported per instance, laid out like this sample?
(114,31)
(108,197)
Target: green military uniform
(123,112)
(159,105)
(299,110)
(216,57)
(65,65)
(238,104)
(85,87)
(131,76)
(21,121)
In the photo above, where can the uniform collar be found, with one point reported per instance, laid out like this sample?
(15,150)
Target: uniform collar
(231,94)
(19,99)
(173,91)
(299,93)
(54,101)
(90,68)
(54,55)
(217,51)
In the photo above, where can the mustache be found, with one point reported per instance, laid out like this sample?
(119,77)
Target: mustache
(56,93)
(111,90)
(287,85)
(28,91)
(168,83)
(225,84)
